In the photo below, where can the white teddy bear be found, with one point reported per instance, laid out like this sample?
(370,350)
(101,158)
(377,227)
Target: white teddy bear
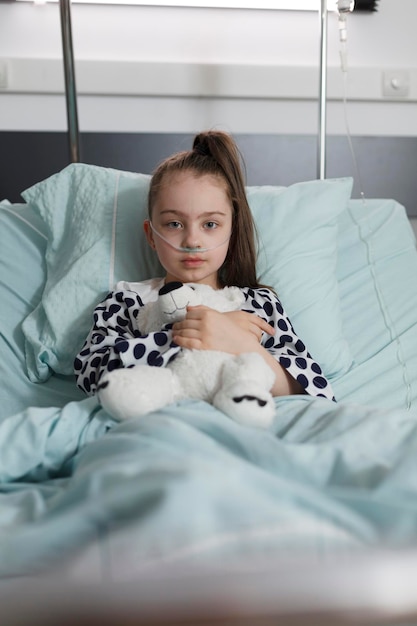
(237,385)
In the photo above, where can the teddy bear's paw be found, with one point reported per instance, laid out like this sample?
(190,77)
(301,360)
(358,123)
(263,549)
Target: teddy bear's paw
(132,392)
(247,404)
(252,367)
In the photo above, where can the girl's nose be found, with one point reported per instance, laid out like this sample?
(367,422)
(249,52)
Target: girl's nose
(191,238)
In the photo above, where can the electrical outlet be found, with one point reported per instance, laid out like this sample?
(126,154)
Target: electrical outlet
(395,83)
(3,74)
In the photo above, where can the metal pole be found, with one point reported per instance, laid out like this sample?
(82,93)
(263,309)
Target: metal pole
(321,156)
(70,87)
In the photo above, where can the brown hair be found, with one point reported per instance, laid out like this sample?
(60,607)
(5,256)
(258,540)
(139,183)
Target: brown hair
(215,153)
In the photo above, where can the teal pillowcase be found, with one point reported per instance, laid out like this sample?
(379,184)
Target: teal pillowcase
(377,274)
(22,279)
(22,275)
(93,218)
(298,230)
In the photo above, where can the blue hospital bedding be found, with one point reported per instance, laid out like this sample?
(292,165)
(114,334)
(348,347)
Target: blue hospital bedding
(188,485)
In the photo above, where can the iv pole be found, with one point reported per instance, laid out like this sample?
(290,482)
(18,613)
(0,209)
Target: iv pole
(321,148)
(69,74)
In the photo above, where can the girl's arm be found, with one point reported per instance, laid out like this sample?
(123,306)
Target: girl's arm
(269,332)
(114,341)
(235,332)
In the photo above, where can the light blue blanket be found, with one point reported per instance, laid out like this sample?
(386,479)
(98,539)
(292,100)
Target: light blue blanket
(189,485)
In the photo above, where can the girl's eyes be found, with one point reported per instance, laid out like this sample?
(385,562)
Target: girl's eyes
(174,225)
(177,225)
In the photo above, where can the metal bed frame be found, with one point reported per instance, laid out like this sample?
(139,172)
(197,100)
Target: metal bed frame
(70,84)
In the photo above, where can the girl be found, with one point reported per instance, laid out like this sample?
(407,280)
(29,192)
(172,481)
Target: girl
(201,227)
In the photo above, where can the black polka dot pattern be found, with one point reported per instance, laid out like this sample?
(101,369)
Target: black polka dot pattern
(285,346)
(115,341)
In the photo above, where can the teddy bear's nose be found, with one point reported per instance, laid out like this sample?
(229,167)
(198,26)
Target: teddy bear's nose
(172,286)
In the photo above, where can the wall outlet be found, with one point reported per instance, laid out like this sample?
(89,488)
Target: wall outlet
(395,83)
(3,74)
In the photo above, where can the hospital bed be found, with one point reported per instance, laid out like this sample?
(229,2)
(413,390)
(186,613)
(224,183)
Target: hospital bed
(184,516)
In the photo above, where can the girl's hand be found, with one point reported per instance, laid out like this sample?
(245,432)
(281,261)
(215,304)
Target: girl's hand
(235,332)
(206,329)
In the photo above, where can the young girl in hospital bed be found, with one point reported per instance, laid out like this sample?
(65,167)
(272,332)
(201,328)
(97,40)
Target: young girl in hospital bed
(201,227)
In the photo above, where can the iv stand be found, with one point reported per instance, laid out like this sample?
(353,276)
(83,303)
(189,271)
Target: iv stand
(71,96)
(321,148)
(69,74)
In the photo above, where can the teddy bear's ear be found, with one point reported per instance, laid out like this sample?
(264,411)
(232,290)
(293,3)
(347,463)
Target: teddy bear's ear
(168,287)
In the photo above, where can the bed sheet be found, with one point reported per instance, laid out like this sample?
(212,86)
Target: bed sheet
(188,486)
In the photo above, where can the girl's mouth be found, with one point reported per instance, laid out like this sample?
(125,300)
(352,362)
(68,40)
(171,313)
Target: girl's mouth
(192,261)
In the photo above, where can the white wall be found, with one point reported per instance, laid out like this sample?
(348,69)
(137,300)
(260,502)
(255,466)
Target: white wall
(259,52)
(136,69)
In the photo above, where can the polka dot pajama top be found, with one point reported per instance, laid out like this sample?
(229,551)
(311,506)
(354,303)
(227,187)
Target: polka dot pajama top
(115,340)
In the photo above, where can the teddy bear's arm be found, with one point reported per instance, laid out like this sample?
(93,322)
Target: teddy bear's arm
(115,342)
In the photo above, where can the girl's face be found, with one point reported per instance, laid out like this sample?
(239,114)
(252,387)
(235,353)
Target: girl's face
(191,212)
